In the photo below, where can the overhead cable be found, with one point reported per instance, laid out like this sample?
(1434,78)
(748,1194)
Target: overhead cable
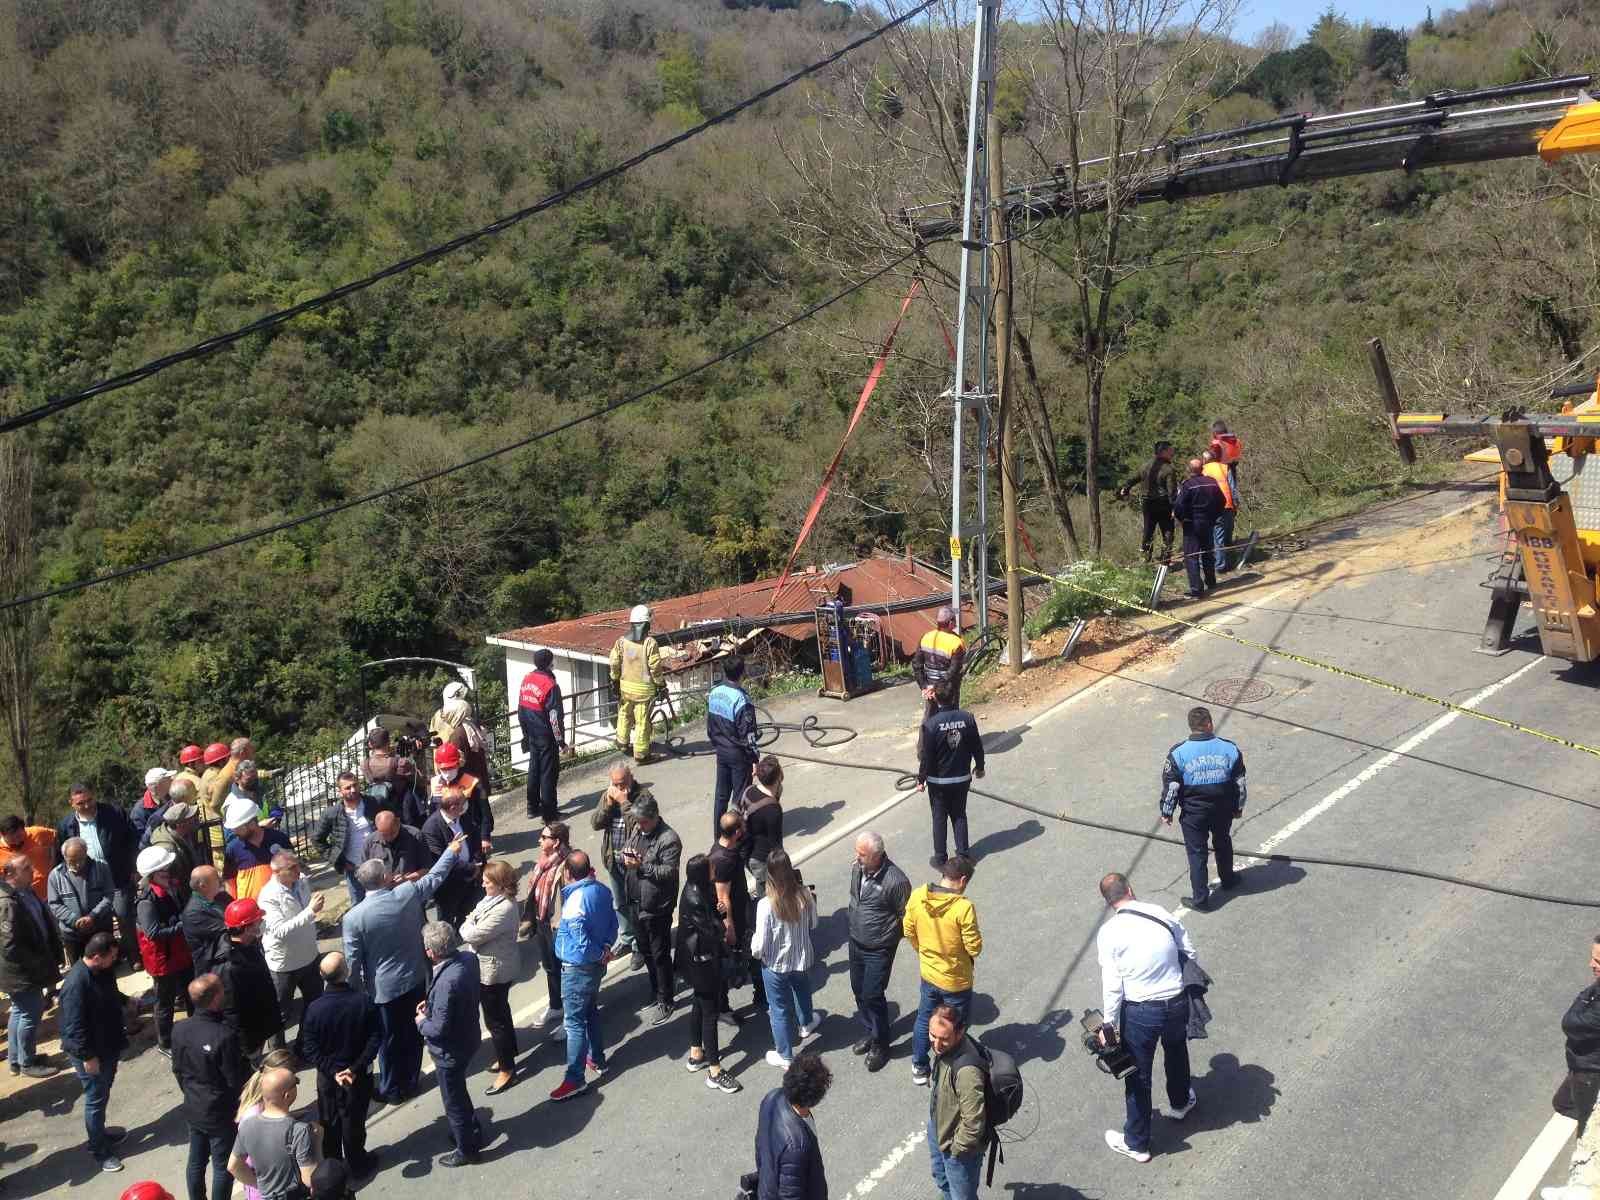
(405,485)
(211,346)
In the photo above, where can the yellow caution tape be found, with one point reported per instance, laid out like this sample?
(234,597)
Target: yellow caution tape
(1330,668)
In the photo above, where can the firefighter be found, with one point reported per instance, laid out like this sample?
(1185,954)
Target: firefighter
(539,714)
(939,658)
(636,677)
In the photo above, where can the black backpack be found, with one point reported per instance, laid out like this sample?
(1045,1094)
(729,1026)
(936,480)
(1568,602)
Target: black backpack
(1002,1094)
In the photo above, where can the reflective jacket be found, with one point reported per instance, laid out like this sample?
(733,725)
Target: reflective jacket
(539,706)
(636,666)
(1219,472)
(1226,447)
(940,656)
(731,723)
(1202,771)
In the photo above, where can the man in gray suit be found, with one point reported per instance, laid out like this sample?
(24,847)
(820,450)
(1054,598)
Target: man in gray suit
(383,945)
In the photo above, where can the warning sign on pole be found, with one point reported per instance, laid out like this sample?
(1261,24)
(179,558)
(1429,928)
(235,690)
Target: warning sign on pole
(955,549)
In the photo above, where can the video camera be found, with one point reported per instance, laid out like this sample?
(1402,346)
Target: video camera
(409,745)
(1115,1059)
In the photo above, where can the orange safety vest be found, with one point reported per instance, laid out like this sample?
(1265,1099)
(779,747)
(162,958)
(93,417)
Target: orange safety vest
(938,650)
(1227,447)
(1219,472)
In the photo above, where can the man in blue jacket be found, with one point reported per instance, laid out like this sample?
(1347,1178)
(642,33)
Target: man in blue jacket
(93,1036)
(448,1022)
(383,945)
(1204,777)
(583,944)
(731,730)
(788,1156)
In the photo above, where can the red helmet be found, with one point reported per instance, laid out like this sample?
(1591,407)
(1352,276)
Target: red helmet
(216,753)
(447,756)
(187,756)
(241,913)
(148,1189)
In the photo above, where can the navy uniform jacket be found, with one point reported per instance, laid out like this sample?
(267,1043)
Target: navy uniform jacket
(949,747)
(731,723)
(1203,770)
(1199,502)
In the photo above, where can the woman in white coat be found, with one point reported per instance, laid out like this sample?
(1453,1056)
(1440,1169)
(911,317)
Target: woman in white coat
(491,931)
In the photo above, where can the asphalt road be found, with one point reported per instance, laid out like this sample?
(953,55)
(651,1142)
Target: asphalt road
(1374,1034)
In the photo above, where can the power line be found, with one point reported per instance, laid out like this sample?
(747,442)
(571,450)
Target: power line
(211,346)
(394,489)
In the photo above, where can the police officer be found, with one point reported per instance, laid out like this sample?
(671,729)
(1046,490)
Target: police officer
(1204,777)
(940,658)
(949,754)
(636,675)
(731,730)
(539,714)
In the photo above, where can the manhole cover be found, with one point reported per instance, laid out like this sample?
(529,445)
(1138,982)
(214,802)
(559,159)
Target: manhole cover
(1238,691)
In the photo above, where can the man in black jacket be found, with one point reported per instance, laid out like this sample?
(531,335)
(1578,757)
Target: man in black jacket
(211,1072)
(650,858)
(539,715)
(1158,484)
(342,832)
(399,847)
(461,890)
(1198,505)
(878,894)
(251,1004)
(949,755)
(30,948)
(204,926)
(788,1156)
(111,839)
(1581,1025)
(94,1037)
(340,1035)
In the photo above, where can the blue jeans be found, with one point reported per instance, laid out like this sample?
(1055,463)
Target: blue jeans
(22,1032)
(869,980)
(96,1092)
(580,1013)
(357,892)
(788,1007)
(956,1176)
(930,999)
(1222,537)
(212,1149)
(1144,1026)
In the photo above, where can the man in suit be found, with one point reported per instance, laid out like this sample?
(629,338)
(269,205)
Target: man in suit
(448,1021)
(461,890)
(383,945)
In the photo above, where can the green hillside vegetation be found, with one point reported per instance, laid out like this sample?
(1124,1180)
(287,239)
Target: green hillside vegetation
(173,170)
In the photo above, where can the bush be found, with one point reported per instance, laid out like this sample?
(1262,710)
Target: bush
(1091,588)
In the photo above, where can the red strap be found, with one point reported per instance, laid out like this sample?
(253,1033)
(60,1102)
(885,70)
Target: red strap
(861,407)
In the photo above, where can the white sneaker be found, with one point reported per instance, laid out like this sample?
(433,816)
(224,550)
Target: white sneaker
(774,1059)
(1117,1142)
(816,1024)
(1178,1114)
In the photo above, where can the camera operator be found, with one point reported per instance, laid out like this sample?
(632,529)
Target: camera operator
(1576,1096)
(1141,978)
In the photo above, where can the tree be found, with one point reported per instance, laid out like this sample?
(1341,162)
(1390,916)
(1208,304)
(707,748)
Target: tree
(23,629)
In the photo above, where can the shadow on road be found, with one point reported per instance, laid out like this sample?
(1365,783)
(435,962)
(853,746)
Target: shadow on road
(1040,1041)
(1254,880)
(803,822)
(1006,839)
(1045,1191)
(1231,1093)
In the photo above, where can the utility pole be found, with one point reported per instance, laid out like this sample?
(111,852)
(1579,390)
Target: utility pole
(999,230)
(972,324)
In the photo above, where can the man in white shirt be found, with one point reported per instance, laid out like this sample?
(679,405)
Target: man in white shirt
(1141,979)
(289,938)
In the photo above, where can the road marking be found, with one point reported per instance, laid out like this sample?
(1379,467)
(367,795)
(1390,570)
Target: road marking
(1525,1177)
(890,1161)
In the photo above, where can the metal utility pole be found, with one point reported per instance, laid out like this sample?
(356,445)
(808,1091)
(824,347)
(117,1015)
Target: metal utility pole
(998,226)
(972,324)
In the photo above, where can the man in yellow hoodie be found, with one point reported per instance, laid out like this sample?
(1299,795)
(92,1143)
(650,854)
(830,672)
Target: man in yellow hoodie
(942,927)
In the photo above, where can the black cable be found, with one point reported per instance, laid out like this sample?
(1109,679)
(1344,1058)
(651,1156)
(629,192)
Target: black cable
(212,345)
(333,509)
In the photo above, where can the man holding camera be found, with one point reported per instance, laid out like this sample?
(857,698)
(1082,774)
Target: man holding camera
(1141,949)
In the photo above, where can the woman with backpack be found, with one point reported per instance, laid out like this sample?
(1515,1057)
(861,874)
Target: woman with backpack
(698,958)
(781,942)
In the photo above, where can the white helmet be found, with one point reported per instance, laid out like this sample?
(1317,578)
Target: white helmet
(239,812)
(640,614)
(154,858)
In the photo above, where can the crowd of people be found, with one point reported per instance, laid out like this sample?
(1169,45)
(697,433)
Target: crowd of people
(1203,501)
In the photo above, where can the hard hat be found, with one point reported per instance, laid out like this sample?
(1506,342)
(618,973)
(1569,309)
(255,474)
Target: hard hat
(157,775)
(154,858)
(189,754)
(239,812)
(447,756)
(147,1189)
(945,616)
(640,614)
(241,913)
(216,753)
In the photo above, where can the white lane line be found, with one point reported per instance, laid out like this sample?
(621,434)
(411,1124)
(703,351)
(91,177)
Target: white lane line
(1525,1177)
(890,1161)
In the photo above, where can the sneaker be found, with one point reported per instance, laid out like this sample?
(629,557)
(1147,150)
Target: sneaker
(568,1090)
(110,1164)
(937,863)
(864,1046)
(164,1051)
(877,1059)
(919,1076)
(1117,1142)
(810,1030)
(723,1081)
(597,1068)
(457,1159)
(39,1070)
(663,1014)
(774,1059)
(1178,1114)
(552,1019)
(690,1063)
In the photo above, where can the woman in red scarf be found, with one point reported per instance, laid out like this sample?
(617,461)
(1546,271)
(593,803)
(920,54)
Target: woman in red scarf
(542,909)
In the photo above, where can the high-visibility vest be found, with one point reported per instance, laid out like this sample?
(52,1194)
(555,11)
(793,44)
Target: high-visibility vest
(1217,471)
